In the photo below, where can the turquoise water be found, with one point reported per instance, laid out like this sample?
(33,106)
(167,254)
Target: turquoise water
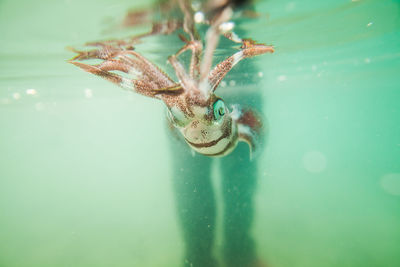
(85,167)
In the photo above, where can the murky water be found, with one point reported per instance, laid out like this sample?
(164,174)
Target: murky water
(85,168)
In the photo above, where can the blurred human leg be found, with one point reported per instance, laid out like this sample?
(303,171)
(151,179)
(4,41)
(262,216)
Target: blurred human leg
(195,204)
(239,184)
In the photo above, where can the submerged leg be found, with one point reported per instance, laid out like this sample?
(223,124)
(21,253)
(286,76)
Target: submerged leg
(195,203)
(239,184)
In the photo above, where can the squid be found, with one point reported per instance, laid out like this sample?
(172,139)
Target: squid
(204,120)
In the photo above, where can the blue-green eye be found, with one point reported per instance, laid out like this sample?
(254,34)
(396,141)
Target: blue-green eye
(219,109)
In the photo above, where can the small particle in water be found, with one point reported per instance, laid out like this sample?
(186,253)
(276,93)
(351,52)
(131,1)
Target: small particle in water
(260,74)
(39,106)
(16,96)
(88,93)
(290,6)
(31,92)
(391,183)
(282,78)
(223,84)
(226,26)
(369,24)
(314,161)
(367,60)
(314,67)
(199,17)
(232,83)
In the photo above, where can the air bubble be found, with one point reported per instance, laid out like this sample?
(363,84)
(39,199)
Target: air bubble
(314,161)
(16,96)
(391,183)
(290,6)
(226,26)
(88,93)
(31,92)
(281,78)
(199,17)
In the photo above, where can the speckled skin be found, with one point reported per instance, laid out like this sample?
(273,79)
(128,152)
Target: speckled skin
(191,100)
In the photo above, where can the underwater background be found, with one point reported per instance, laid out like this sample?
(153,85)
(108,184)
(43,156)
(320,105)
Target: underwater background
(85,168)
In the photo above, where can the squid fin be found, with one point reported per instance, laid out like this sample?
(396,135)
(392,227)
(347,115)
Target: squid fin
(250,129)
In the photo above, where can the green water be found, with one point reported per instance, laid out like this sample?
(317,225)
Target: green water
(85,167)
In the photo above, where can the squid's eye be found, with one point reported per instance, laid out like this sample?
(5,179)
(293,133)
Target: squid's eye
(219,109)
